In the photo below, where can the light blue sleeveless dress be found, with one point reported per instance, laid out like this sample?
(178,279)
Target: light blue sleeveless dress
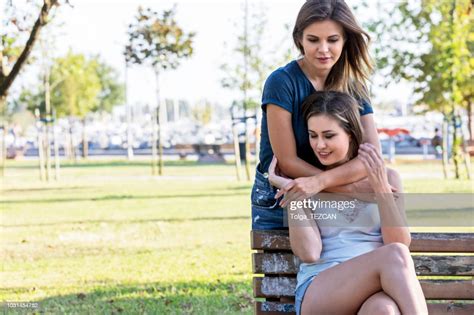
(345,234)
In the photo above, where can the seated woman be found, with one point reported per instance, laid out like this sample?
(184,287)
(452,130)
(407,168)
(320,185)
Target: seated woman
(355,259)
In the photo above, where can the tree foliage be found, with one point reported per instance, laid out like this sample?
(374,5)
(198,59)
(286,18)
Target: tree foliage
(157,40)
(112,92)
(79,85)
(248,69)
(428,43)
(13,52)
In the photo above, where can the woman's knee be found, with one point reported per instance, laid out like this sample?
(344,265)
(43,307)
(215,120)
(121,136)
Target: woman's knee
(379,303)
(397,254)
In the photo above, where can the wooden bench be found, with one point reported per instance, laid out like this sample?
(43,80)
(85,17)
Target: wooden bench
(434,255)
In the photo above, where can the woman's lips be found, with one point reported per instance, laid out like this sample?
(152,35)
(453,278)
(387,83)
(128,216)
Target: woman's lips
(324,59)
(323,155)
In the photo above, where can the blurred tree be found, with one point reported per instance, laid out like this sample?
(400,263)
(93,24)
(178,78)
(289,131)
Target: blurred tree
(14,54)
(429,43)
(112,92)
(248,71)
(78,86)
(155,39)
(77,89)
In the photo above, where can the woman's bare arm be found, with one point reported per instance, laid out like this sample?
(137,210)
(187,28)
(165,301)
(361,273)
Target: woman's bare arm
(391,208)
(283,143)
(305,238)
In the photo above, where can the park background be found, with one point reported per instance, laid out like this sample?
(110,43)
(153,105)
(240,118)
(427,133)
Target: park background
(121,228)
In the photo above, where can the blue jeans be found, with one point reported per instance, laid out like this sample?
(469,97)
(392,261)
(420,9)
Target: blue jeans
(266,213)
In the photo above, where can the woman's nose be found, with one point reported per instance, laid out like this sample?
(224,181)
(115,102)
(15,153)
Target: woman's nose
(321,144)
(323,47)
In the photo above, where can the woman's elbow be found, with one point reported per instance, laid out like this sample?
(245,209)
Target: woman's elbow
(285,164)
(309,256)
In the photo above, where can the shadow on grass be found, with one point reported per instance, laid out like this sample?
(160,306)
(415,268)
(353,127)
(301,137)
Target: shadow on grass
(43,189)
(128,221)
(93,164)
(193,297)
(122,197)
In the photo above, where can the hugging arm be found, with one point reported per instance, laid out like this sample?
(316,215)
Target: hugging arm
(338,179)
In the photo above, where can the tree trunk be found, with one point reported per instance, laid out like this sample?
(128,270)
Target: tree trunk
(455,145)
(85,144)
(444,146)
(48,116)
(158,121)
(3,140)
(129,118)
(154,140)
(470,121)
(258,119)
(39,133)
(465,153)
(71,142)
(236,150)
(41,21)
(47,150)
(247,150)
(56,150)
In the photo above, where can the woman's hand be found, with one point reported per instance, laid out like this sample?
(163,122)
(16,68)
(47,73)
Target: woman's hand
(275,175)
(375,167)
(299,189)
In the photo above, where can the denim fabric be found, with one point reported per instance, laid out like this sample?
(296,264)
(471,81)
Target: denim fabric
(299,294)
(266,213)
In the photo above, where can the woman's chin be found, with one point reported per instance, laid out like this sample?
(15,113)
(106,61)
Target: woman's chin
(332,164)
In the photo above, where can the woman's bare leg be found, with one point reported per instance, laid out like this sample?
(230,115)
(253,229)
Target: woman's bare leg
(380,304)
(342,289)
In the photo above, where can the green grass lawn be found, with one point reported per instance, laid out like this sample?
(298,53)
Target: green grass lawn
(110,238)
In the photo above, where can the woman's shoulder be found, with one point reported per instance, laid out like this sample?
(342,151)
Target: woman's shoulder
(285,72)
(287,75)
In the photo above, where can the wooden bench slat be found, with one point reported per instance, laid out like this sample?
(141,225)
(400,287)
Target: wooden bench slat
(421,242)
(287,264)
(278,308)
(274,287)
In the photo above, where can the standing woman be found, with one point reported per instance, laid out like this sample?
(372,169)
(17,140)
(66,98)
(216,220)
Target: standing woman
(335,56)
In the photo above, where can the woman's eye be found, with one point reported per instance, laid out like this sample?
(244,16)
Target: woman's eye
(313,137)
(312,40)
(333,40)
(329,137)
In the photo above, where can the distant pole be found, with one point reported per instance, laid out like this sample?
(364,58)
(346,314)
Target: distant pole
(154,139)
(159,122)
(56,147)
(246,52)
(3,138)
(40,145)
(47,101)
(445,135)
(129,117)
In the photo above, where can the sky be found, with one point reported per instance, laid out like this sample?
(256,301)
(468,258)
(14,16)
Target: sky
(99,27)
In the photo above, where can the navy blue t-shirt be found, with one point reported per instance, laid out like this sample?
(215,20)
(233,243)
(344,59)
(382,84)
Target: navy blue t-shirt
(287,87)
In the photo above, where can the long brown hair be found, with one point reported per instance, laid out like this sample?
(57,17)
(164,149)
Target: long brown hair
(352,70)
(343,108)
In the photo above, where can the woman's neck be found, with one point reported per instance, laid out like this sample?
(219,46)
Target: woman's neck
(318,78)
